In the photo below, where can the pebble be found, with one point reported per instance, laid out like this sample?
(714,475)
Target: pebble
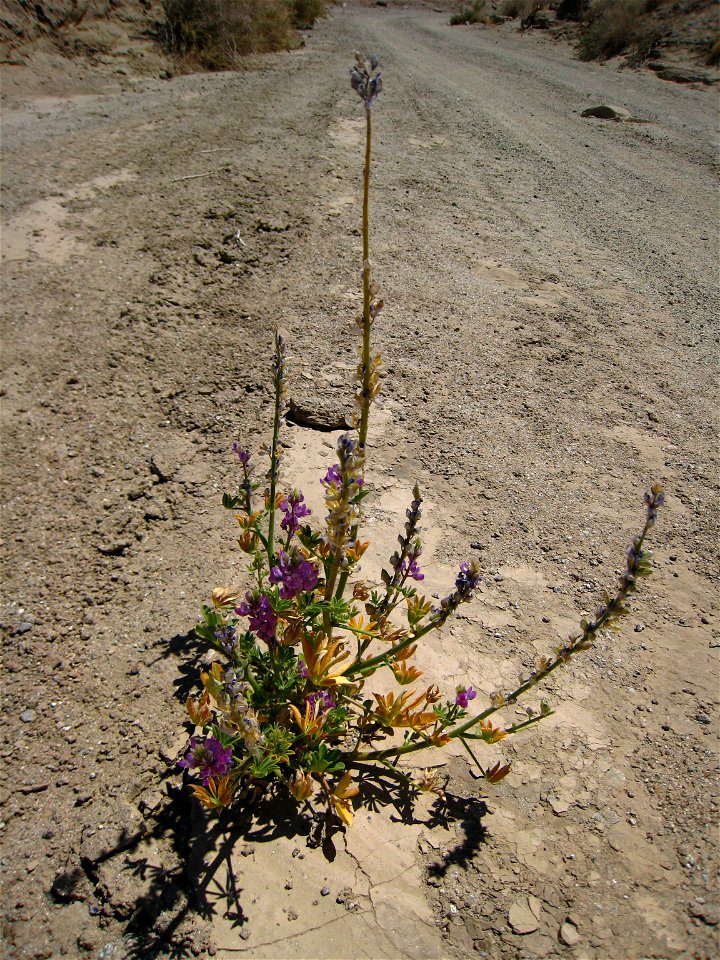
(569,935)
(325,892)
(522,919)
(27,716)
(244,934)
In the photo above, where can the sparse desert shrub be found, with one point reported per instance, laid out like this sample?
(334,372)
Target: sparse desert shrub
(713,55)
(306,12)
(315,682)
(217,32)
(613,27)
(519,8)
(472,14)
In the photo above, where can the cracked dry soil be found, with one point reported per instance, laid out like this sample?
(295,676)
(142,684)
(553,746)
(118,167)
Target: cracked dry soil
(550,344)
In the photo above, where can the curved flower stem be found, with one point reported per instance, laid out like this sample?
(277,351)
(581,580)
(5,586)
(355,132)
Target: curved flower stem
(609,613)
(363,666)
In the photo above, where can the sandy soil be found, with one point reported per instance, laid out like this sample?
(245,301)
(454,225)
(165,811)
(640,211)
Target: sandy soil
(550,348)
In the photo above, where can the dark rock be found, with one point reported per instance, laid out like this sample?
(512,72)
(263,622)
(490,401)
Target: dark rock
(681,74)
(317,414)
(709,913)
(605,112)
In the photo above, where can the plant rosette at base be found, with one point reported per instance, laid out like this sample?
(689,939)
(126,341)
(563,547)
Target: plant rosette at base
(290,705)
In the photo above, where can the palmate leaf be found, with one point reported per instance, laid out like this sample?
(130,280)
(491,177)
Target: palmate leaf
(323,760)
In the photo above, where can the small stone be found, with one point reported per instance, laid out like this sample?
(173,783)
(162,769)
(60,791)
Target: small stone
(522,919)
(325,892)
(288,884)
(244,934)
(709,913)
(292,913)
(702,718)
(27,716)
(558,805)
(569,935)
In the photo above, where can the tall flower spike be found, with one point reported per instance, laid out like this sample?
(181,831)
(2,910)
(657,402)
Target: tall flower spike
(364,80)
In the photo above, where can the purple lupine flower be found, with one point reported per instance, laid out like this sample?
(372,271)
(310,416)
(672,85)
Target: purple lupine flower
(332,476)
(302,668)
(464,696)
(293,508)
(323,698)
(242,454)
(263,619)
(467,579)
(294,573)
(411,569)
(362,80)
(227,639)
(208,758)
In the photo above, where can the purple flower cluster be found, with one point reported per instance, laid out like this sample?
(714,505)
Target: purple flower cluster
(323,698)
(332,476)
(294,573)
(467,579)
(208,758)
(363,82)
(263,620)
(293,508)
(412,570)
(242,454)
(464,696)
(227,639)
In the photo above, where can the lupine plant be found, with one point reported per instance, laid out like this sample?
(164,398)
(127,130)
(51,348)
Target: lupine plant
(290,705)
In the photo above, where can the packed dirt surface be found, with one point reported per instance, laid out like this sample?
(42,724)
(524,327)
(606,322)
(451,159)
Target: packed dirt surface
(550,351)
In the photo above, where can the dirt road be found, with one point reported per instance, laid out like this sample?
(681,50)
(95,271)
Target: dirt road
(550,345)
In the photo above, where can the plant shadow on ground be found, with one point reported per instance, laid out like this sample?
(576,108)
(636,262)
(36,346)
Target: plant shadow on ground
(204,881)
(199,849)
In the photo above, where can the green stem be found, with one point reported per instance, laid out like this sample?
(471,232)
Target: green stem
(251,679)
(274,462)
(365,665)
(477,762)
(608,616)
